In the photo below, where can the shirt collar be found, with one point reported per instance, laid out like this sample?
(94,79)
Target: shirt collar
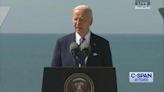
(78,37)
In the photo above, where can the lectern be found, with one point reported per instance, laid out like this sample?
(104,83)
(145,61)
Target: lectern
(92,79)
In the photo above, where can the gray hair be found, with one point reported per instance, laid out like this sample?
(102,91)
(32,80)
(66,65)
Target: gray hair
(86,7)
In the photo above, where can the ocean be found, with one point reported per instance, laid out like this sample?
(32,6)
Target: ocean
(23,57)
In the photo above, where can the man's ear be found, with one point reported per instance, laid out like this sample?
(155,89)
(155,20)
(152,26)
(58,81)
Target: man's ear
(91,21)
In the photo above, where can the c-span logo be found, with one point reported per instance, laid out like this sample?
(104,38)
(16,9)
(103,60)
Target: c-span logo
(141,77)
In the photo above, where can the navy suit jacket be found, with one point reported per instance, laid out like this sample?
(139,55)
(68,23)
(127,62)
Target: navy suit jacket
(100,55)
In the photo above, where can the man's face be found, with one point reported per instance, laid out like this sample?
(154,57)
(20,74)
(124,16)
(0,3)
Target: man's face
(81,21)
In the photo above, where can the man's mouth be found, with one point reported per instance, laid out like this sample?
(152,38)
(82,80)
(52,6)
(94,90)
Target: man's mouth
(79,28)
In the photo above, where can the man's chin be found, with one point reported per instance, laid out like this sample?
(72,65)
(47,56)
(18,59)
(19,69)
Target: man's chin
(79,30)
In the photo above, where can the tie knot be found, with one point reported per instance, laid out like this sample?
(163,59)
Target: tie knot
(82,39)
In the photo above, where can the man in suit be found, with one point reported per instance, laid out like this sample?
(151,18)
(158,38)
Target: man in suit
(100,51)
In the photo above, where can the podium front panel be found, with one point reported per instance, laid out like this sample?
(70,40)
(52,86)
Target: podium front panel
(54,79)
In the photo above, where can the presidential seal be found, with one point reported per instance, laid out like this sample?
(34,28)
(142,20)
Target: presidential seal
(79,82)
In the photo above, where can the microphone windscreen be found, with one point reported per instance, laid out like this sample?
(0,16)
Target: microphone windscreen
(73,48)
(85,48)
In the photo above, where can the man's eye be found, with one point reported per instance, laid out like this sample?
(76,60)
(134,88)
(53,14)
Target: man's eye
(75,19)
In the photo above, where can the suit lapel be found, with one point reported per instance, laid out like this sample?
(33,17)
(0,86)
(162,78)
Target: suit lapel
(69,40)
(72,37)
(93,45)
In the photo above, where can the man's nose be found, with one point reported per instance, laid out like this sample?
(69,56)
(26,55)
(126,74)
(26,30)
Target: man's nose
(78,22)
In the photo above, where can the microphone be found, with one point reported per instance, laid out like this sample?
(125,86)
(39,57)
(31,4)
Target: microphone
(85,51)
(74,50)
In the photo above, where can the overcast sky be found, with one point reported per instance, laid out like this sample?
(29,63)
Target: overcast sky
(55,16)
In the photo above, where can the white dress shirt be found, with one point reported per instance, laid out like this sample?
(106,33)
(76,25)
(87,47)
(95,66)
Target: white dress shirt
(78,37)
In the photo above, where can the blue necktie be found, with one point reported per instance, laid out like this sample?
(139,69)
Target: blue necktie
(82,40)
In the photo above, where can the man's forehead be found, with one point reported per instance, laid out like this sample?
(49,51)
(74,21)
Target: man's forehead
(83,11)
(80,13)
